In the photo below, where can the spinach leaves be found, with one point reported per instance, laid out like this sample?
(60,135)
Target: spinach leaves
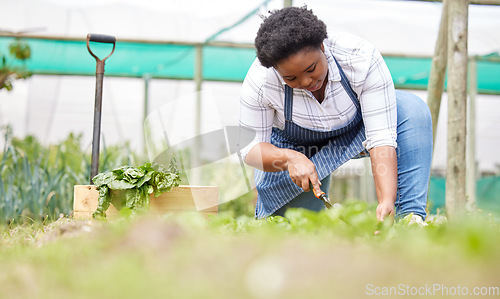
(128,188)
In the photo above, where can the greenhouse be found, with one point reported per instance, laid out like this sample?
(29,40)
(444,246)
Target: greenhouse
(172,211)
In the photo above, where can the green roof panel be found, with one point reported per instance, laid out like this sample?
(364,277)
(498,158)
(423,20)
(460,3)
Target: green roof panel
(172,60)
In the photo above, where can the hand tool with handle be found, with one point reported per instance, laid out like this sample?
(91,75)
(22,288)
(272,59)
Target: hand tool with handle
(99,38)
(322,196)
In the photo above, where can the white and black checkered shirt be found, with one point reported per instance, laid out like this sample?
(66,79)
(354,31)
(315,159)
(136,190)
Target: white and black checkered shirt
(262,96)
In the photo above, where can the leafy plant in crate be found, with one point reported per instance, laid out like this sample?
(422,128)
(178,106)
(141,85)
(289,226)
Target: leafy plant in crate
(128,188)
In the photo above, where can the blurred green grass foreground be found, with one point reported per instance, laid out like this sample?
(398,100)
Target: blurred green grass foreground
(330,254)
(44,253)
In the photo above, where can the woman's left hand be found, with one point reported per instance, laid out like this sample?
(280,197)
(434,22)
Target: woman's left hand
(384,209)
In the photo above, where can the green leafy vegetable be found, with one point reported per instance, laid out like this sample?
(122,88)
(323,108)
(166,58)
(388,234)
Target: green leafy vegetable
(128,188)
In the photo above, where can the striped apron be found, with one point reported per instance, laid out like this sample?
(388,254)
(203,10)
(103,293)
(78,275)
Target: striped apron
(327,150)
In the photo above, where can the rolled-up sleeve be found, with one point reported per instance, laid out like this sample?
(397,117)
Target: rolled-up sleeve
(256,114)
(378,105)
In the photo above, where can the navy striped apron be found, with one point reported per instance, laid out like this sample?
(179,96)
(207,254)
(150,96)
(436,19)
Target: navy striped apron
(327,150)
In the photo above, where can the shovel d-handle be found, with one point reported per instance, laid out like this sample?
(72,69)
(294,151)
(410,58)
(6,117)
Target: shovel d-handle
(100,38)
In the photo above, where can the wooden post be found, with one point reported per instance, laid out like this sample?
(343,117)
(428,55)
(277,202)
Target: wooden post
(438,71)
(367,185)
(471,169)
(457,98)
(146,78)
(352,185)
(363,182)
(287,3)
(195,178)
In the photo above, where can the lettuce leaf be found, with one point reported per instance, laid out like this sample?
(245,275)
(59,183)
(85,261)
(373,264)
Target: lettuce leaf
(133,186)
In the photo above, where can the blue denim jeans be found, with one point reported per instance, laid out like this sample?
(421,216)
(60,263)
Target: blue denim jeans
(414,155)
(307,200)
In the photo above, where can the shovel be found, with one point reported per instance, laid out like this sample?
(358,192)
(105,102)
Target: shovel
(94,167)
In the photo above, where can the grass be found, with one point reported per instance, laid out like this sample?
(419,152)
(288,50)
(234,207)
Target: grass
(331,254)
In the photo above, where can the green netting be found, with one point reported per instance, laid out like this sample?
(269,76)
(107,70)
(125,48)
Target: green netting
(128,60)
(220,63)
(487,193)
(409,72)
(229,64)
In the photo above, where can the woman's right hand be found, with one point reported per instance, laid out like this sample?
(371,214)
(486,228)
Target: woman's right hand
(267,157)
(302,171)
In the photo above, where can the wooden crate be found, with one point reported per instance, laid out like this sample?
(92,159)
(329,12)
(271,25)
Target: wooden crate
(203,199)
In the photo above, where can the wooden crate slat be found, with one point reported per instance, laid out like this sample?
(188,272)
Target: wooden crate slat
(201,199)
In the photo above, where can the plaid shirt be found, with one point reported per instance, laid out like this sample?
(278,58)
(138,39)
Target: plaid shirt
(262,96)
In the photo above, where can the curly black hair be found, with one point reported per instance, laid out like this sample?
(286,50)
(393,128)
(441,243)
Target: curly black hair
(286,32)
